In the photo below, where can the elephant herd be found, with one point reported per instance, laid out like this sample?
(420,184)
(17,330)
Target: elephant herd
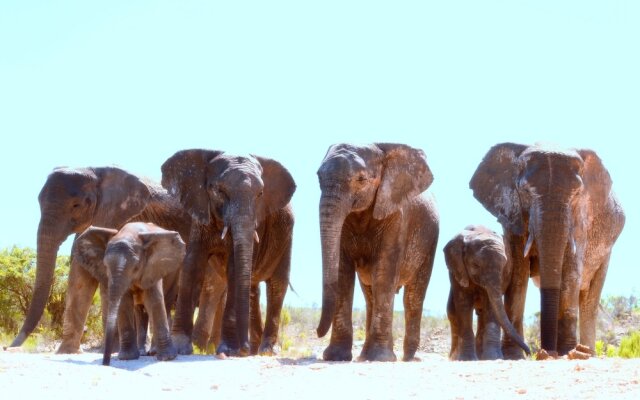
(219,224)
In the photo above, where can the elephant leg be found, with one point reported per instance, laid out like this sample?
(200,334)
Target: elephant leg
(154,303)
(569,305)
(142,323)
(489,332)
(466,341)
(216,335)
(127,329)
(80,290)
(453,323)
(378,345)
(213,291)
(255,323)
(368,299)
(516,293)
(414,294)
(191,277)
(341,341)
(589,303)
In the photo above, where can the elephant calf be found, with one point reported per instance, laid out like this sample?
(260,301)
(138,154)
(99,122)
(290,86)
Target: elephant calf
(479,275)
(133,262)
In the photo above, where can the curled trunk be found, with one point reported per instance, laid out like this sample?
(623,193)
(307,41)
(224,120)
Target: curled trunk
(497,306)
(48,245)
(332,218)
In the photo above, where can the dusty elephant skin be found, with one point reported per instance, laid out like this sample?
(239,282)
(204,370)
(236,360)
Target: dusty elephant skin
(373,221)
(244,231)
(132,264)
(560,220)
(479,275)
(70,201)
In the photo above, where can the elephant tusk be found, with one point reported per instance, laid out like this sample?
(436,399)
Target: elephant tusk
(572,243)
(256,237)
(527,247)
(224,232)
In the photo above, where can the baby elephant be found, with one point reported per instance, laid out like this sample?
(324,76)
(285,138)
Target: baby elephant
(133,262)
(479,275)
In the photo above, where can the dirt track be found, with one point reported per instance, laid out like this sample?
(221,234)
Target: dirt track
(82,376)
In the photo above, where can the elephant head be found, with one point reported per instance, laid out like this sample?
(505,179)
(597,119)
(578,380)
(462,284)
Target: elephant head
(139,255)
(70,201)
(476,257)
(546,195)
(380,178)
(236,193)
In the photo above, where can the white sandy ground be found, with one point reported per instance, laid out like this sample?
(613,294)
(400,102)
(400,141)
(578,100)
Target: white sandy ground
(81,376)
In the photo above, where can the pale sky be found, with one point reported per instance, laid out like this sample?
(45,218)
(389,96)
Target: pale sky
(129,83)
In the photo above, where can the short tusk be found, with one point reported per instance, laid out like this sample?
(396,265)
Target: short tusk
(256,237)
(224,232)
(572,243)
(527,247)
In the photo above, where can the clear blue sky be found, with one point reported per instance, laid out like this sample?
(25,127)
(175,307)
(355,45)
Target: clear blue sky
(131,82)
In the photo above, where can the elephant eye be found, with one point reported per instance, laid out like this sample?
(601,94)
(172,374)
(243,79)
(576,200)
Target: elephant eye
(261,193)
(361,178)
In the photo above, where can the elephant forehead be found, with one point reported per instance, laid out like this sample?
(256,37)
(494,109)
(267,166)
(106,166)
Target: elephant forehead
(67,181)
(349,160)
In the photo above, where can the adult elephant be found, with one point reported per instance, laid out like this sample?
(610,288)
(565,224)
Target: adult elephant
(479,275)
(373,221)
(71,200)
(560,220)
(244,228)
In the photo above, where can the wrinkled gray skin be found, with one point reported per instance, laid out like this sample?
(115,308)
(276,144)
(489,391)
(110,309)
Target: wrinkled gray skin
(479,275)
(243,228)
(70,201)
(132,263)
(560,220)
(374,221)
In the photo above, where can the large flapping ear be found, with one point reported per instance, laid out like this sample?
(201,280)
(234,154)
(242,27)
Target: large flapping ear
(279,187)
(164,251)
(454,258)
(494,185)
(405,175)
(121,196)
(88,251)
(184,175)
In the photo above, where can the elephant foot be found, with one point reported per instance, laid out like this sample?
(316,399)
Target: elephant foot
(409,358)
(167,354)
(200,340)
(128,354)
(226,350)
(267,349)
(335,352)
(69,348)
(494,354)
(377,353)
(512,353)
(182,343)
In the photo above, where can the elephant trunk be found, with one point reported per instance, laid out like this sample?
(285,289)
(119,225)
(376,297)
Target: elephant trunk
(497,306)
(244,234)
(49,241)
(332,216)
(111,325)
(551,236)
(119,283)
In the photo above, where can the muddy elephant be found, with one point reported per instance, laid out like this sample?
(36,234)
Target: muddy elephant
(374,221)
(70,201)
(243,227)
(560,220)
(133,264)
(479,275)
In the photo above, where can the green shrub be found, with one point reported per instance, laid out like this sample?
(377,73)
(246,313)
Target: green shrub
(17,278)
(630,346)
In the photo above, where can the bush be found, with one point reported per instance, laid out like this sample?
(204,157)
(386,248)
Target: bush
(630,346)
(17,278)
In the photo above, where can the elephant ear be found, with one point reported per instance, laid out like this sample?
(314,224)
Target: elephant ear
(121,196)
(494,185)
(184,175)
(88,251)
(596,179)
(454,258)
(279,187)
(164,252)
(405,175)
